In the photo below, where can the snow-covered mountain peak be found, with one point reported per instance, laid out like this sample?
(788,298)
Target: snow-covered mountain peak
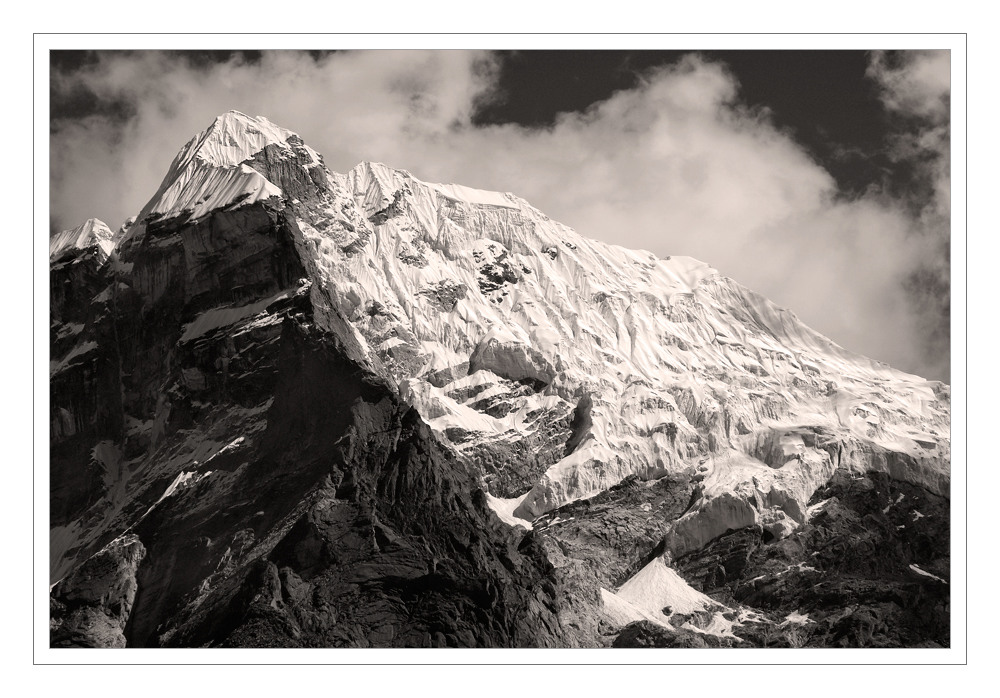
(222,166)
(235,137)
(588,361)
(500,323)
(91,232)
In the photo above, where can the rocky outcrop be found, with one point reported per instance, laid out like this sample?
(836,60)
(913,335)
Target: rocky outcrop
(90,607)
(284,494)
(510,465)
(646,634)
(619,531)
(372,533)
(869,568)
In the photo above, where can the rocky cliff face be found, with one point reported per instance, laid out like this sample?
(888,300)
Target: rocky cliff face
(297,408)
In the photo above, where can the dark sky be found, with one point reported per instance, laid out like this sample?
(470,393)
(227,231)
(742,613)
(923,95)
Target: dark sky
(822,97)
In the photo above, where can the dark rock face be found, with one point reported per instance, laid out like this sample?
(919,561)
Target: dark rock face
(371,535)
(645,634)
(275,490)
(722,561)
(511,462)
(136,372)
(89,608)
(621,530)
(84,403)
(853,569)
(602,541)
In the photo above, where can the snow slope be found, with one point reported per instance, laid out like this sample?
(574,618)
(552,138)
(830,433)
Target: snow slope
(92,232)
(657,593)
(210,172)
(509,330)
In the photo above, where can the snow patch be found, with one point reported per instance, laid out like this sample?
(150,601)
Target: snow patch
(504,509)
(77,351)
(926,574)
(657,593)
(657,586)
(797,618)
(223,317)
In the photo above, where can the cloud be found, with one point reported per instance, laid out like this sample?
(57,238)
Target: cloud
(916,83)
(676,165)
(345,104)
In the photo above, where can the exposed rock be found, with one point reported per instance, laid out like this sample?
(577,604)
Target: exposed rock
(392,548)
(90,607)
(509,465)
(395,208)
(446,294)
(645,634)
(848,572)
(619,531)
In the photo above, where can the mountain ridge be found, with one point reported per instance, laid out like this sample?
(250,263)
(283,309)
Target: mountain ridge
(555,368)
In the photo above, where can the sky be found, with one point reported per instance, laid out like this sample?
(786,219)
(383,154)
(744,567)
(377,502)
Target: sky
(817,178)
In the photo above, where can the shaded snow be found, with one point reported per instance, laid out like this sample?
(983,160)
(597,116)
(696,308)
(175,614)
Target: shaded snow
(75,353)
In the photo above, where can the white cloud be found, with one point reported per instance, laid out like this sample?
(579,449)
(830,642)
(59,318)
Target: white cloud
(675,165)
(919,85)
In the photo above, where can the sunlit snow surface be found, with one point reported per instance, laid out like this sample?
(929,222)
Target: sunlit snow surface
(652,341)
(656,593)
(504,509)
(92,232)
(494,321)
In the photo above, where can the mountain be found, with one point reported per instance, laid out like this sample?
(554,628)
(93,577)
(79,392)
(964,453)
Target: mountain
(292,407)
